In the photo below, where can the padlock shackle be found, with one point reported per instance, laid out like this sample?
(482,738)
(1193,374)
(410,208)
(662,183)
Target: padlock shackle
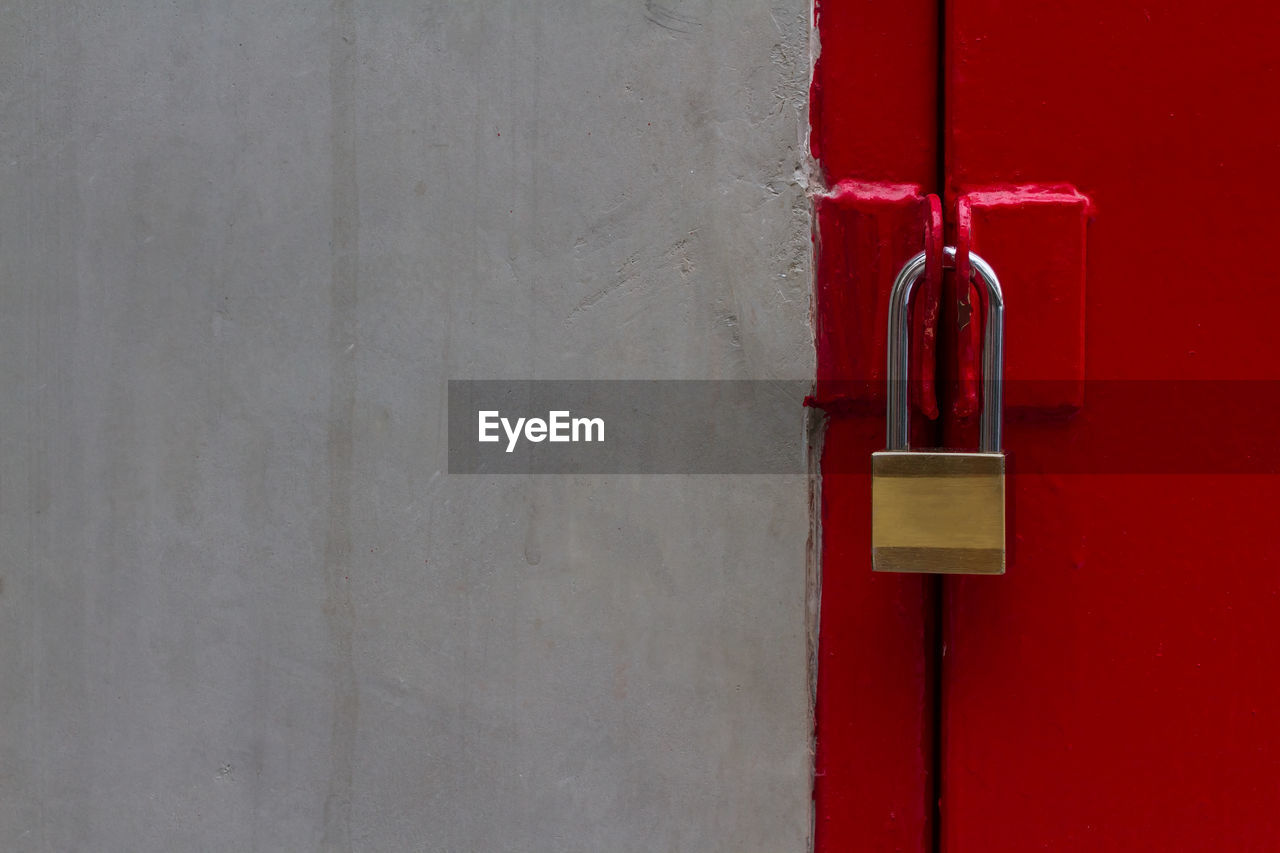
(899,408)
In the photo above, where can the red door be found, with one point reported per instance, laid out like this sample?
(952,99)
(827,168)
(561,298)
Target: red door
(876,676)
(1119,687)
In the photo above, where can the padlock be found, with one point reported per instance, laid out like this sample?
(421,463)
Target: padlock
(940,511)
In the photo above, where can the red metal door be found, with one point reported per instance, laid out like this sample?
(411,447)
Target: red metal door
(1119,688)
(875,134)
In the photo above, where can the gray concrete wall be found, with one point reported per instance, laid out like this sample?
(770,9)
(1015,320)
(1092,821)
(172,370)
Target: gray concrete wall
(243,246)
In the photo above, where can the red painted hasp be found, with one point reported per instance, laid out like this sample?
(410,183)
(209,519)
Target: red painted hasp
(1118,689)
(874,132)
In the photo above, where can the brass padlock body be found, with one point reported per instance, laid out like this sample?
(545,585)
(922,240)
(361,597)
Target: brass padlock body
(937,512)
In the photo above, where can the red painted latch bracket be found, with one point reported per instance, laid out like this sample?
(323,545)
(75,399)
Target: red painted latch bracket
(1034,237)
(864,233)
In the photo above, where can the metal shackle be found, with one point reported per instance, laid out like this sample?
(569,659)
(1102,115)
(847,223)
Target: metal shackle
(899,414)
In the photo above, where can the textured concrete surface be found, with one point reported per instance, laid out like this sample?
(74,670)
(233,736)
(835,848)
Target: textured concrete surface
(243,246)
